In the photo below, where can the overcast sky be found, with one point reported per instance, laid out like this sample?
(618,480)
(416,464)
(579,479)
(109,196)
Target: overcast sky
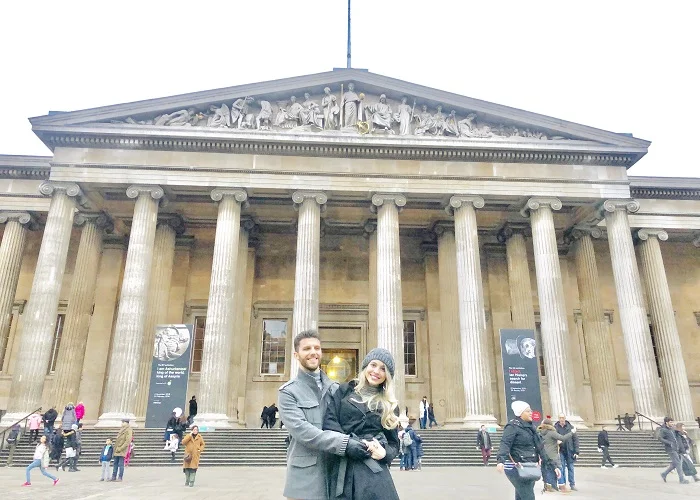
(623,66)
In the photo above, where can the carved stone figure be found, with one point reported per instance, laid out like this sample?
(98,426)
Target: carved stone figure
(264,118)
(131,121)
(404,117)
(381,114)
(450,125)
(289,117)
(310,113)
(439,120)
(426,123)
(351,106)
(469,128)
(221,117)
(182,118)
(239,112)
(331,110)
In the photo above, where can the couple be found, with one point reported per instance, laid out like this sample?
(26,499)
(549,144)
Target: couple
(343,437)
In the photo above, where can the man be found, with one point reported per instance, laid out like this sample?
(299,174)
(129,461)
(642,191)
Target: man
(193,409)
(121,447)
(603,446)
(668,437)
(568,453)
(49,421)
(685,444)
(629,421)
(423,412)
(301,406)
(483,442)
(12,443)
(412,449)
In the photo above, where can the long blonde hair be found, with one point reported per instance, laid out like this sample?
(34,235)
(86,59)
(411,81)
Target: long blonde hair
(383,401)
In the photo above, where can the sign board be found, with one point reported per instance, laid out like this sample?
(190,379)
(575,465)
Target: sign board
(521,376)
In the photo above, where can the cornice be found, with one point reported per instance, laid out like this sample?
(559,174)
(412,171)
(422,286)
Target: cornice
(24,167)
(665,193)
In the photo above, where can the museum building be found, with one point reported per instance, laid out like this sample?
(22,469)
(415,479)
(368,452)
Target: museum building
(381,213)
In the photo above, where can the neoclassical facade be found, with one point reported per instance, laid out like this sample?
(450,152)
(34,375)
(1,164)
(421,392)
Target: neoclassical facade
(379,212)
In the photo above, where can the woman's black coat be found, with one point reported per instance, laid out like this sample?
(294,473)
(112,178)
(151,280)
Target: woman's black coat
(363,480)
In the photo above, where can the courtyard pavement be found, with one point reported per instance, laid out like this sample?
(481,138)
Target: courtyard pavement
(257,483)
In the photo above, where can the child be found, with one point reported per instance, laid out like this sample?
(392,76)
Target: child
(172,445)
(129,453)
(41,460)
(105,458)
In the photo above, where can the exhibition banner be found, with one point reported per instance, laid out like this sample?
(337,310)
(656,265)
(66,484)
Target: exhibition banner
(170,367)
(521,376)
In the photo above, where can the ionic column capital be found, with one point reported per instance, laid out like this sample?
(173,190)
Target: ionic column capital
(630,206)
(459,200)
(646,233)
(156,192)
(175,221)
(24,218)
(379,199)
(510,229)
(578,232)
(443,226)
(538,202)
(238,194)
(298,197)
(100,219)
(71,189)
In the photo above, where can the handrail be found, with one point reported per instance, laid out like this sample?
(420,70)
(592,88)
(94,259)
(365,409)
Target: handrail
(9,428)
(651,420)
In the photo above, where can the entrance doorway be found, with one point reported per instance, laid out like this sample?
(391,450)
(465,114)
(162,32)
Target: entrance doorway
(339,364)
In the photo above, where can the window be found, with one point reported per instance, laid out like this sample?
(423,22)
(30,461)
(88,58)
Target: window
(274,346)
(7,341)
(540,345)
(57,334)
(409,347)
(200,326)
(656,350)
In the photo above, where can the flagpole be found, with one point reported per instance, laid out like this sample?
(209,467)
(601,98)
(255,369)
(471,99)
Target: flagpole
(349,50)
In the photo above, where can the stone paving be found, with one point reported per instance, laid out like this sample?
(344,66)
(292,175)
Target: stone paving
(248,483)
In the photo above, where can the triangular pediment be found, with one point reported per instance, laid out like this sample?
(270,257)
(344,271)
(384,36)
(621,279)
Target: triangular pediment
(357,103)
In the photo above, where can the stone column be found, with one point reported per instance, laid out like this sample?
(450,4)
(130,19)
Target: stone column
(599,346)
(522,310)
(167,228)
(221,311)
(389,304)
(122,380)
(69,365)
(451,363)
(555,330)
(476,366)
(42,309)
(306,286)
(646,389)
(370,232)
(674,377)
(14,239)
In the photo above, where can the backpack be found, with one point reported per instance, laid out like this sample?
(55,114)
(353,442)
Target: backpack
(407,441)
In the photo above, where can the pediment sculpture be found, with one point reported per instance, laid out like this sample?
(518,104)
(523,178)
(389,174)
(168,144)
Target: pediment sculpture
(349,112)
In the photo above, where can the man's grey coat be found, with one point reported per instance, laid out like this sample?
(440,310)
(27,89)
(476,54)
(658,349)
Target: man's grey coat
(302,406)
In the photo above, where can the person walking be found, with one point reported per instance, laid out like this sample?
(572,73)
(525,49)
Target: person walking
(568,453)
(431,416)
(604,447)
(70,444)
(105,459)
(194,446)
(302,405)
(41,460)
(483,443)
(68,418)
(79,411)
(551,440)
(49,420)
(121,447)
(423,412)
(34,425)
(12,443)
(520,451)
(56,446)
(667,436)
(193,409)
(685,444)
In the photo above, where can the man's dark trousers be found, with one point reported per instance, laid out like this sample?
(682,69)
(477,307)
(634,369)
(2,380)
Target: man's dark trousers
(675,464)
(606,456)
(567,470)
(118,466)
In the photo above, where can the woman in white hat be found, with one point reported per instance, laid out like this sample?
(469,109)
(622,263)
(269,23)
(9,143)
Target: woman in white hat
(520,451)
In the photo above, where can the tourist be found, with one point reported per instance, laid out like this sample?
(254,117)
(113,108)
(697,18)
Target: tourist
(520,451)
(194,445)
(79,445)
(129,453)
(49,420)
(121,447)
(423,412)
(34,422)
(410,444)
(70,444)
(193,409)
(402,448)
(372,392)
(41,460)
(12,443)
(172,445)
(483,443)
(604,447)
(685,444)
(551,440)
(105,458)
(272,415)
(629,421)
(568,453)
(667,436)
(263,417)
(68,418)
(56,445)
(79,411)
(302,405)
(431,416)
(419,452)
(170,426)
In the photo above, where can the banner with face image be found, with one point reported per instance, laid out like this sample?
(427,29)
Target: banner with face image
(521,377)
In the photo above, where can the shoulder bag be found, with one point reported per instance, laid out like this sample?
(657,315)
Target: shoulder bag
(527,471)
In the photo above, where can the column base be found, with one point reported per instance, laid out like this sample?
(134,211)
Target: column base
(212,421)
(476,421)
(114,419)
(610,425)
(453,423)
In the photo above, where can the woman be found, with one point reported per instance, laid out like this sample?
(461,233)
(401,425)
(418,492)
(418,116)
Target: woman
(520,445)
(70,444)
(194,445)
(68,418)
(366,408)
(41,460)
(551,439)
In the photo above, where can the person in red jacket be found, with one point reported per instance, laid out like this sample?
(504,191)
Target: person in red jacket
(79,411)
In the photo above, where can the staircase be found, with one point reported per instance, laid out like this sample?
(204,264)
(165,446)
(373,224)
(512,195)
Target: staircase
(263,447)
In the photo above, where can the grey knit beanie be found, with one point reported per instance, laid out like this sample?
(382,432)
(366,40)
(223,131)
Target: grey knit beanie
(380,355)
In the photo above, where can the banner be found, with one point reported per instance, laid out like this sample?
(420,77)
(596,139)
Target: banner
(521,376)
(170,367)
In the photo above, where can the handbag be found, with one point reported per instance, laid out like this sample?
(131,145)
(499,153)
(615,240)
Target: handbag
(70,452)
(45,460)
(527,471)
(187,458)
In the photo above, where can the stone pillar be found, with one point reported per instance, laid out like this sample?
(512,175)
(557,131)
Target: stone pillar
(555,330)
(646,389)
(674,377)
(122,379)
(167,228)
(306,286)
(389,304)
(221,311)
(476,365)
(14,239)
(41,312)
(69,365)
(599,346)
(370,232)
(522,310)
(451,363)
